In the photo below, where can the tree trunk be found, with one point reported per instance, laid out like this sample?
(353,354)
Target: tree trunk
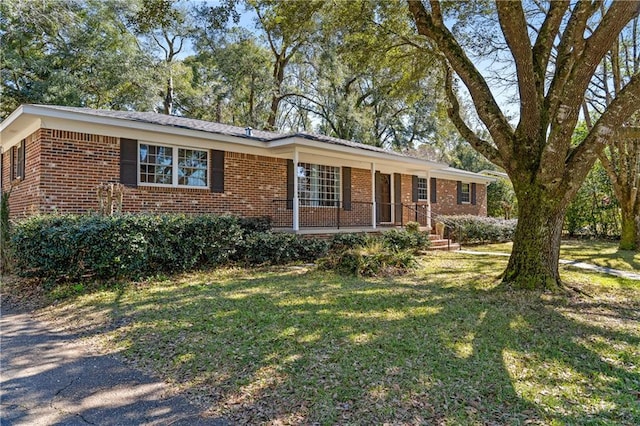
(167,106)
(630,235)
(533,264)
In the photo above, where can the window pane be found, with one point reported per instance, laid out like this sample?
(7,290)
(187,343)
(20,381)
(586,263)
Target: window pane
(192,167)
(156,164)
(465,195)
(422,189)
(318,185)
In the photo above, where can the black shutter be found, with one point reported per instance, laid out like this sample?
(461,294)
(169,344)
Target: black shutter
(414,189)
(397,189)
(217,171)
(346,188)
(473,194)
(129,162)
(23,158)
(290,185)
(12,163)
(433,195)
(459,192)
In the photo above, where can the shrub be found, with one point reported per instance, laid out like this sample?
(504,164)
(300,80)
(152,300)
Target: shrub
(373,259)
(412,227)
(54,247)
(347,241)
(477,229)
(267,248)
(396,239)
(251,225)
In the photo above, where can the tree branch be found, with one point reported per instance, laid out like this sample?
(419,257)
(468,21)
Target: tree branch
(620,109)
(545,40)
(484,147)
(514,28)
(486,106)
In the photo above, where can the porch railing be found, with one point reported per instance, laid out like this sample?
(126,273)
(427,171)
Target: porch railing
(322,214)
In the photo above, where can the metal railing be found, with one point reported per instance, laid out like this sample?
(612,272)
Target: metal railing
(322,214)
(337,214)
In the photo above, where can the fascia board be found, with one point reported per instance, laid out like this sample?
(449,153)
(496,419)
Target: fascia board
(462,175)
(113,122)
(357,152)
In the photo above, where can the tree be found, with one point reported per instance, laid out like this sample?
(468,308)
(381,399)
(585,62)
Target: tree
(288,26)
(165,24)
(536,153)
(621,159)
(71,53)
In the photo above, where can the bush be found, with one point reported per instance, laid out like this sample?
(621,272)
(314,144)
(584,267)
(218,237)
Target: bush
(69,247)
(412,227)
(267,248)
(341,242)
(477,229)
(373,259)
(252,225)
(396,239)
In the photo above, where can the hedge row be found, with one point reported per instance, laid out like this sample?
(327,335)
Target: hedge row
(70,247)
(476,229)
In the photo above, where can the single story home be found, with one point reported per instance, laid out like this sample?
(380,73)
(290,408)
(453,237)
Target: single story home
(54,158)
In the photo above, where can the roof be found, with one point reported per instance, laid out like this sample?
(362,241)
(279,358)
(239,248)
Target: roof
(267,139)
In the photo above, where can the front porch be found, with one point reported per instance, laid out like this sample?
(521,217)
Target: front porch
(305,216)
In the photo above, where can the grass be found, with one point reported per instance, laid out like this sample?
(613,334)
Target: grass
(601,253)
(441,346)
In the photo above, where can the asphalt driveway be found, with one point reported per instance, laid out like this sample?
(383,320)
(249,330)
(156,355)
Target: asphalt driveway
(48,377)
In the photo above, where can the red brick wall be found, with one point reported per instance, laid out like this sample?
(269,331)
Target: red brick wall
(251,184)
(63,170)
(447,200)
(25,192)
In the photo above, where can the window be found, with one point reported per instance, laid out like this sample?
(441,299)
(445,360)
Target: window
(465,193)
(422,189)
(172,166)
(18,154)
(318,185)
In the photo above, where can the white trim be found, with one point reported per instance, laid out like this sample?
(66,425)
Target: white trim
(28,118)
(174,167)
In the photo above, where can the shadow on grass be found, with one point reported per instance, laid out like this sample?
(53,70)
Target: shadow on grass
(441,347)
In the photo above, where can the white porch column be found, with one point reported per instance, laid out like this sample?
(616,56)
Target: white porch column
(429,199)
(296,201)
(373,195)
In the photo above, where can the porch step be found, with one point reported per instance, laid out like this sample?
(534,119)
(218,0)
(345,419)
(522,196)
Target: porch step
(440,244)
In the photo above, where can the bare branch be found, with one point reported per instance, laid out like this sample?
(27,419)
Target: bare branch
(620,109)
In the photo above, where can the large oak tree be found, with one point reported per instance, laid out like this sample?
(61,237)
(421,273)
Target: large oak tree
(555,57)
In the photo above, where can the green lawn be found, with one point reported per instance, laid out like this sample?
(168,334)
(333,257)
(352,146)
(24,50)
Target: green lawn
(601,253)
(441,346)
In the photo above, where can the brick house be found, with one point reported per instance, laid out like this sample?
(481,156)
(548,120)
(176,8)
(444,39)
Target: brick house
(54,158)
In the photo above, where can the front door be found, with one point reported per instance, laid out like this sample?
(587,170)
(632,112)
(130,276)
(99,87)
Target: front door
(383,197)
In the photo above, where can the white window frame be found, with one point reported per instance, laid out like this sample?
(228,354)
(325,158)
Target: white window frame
(174,166)
(317,202)
(426,189)
(468,193)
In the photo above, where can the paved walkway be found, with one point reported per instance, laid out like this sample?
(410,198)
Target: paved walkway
(588,266)
(48,377)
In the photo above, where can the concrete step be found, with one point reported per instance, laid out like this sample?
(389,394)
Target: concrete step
(445,247)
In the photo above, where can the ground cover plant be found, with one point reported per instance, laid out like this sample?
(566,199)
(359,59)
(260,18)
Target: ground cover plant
(443,345)
(598,252)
